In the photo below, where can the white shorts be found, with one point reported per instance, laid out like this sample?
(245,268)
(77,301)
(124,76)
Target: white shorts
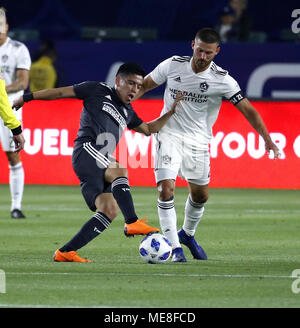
(6,136)
(176,155)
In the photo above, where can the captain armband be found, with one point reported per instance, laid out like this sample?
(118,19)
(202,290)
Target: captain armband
(236,98)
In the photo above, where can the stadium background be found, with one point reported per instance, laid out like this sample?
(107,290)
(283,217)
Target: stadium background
(250,235)
(92,40)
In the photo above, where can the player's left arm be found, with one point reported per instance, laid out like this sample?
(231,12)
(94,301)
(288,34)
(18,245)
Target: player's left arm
(155,125)
(47,94)
(21,83)
(253,117)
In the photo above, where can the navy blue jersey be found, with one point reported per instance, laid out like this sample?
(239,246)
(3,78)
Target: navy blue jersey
(103,112)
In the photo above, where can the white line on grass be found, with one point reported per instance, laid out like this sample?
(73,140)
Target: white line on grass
(271,211)
(49,208)
(190,275)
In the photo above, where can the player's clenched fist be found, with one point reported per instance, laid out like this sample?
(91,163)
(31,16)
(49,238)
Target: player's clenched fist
(178,98)
(18,103)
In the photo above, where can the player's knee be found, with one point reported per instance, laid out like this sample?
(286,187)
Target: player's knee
(122,172)
(119,172)
(166,191)
(110,211)
(13,158)
(200,198)
(113,173)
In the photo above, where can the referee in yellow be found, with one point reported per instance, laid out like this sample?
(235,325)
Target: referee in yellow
(9,118)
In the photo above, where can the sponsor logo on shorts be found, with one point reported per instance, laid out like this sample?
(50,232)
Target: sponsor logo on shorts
(166,159)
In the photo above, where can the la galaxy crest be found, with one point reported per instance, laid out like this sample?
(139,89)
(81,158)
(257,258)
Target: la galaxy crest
(203,86)
(4,58)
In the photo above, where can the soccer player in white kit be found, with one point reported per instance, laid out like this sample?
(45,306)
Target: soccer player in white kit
(15,64)
(182,145)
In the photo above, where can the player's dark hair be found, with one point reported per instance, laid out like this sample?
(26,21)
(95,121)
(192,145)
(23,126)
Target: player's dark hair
(131,68)
(208,35)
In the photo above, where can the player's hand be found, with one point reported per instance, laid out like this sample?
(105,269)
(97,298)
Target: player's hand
(178,98)
(18,103)
(19,142)
(270,146)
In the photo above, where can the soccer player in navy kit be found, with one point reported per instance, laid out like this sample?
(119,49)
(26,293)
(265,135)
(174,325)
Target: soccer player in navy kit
(104,183)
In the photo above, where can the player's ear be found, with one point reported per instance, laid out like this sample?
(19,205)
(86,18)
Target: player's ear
(193,44)
(117,80)
(218,50)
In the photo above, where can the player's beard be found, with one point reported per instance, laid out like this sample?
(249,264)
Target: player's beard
(2,37)
(202,64)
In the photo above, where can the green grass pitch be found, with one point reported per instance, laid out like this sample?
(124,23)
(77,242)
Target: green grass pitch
(251,238)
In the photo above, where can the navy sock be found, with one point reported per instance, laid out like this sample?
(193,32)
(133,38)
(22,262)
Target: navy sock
(91,229)
(121,192)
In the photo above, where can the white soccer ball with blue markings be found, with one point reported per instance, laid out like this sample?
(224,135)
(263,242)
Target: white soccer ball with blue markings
(155,248)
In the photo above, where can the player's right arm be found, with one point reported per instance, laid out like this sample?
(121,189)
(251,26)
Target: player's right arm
(148,85)
(253,117)
(155,78)
(47,94)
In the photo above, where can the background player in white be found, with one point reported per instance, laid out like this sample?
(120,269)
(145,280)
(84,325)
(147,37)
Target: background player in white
(15,64)
(9,118)
(183,143)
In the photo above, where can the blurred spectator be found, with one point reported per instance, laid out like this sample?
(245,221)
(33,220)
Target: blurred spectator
(235,24)
(43,74)
(45,44)
(227,18)
(242,25)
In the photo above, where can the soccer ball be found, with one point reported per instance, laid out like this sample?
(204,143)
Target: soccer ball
(155,248)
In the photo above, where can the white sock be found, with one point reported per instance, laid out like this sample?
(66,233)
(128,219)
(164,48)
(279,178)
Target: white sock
(193,214)
(168,221)
(16,183)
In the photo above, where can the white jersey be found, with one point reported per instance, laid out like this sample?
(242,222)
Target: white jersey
(203,93)
(13,55)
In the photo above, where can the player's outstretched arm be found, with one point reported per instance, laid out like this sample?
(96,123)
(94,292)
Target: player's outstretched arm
(47,94)
(148,84)
(253,117)
(155,125)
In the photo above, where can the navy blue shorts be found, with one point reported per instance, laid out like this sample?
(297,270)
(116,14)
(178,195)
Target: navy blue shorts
(90,165)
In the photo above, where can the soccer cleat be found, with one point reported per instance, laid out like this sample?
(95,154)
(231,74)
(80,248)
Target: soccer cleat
(177,255)
(17,214)
(68,257)
(189,241)
(139,227)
